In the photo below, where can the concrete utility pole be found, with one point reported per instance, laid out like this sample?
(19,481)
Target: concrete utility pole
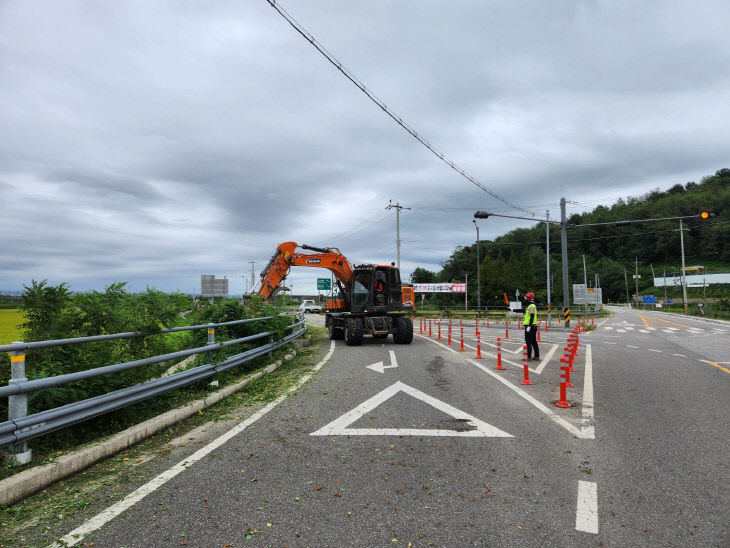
(252,275)
(397,208)
(636,277)
(564,247)
(547,249)
(684,271)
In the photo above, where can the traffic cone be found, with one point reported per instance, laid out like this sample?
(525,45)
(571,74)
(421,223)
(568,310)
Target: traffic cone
(499,367)
(526,380)
(563,402)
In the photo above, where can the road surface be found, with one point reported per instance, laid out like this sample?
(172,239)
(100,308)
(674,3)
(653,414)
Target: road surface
(424,445)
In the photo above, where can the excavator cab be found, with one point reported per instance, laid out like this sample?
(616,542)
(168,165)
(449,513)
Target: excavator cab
(376,288)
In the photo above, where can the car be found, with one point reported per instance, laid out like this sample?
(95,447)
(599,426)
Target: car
(309,306)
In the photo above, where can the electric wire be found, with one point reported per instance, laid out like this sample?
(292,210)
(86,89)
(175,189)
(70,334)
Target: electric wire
(350,76)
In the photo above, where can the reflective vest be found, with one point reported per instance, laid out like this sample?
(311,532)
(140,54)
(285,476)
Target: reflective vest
(531,309)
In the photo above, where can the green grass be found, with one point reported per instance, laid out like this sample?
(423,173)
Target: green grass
(10,320)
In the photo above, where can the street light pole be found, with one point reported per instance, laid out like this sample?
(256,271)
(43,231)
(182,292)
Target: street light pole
(479,276)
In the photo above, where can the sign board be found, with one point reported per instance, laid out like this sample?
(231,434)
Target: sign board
(648,299)
(583,295)
(440,288)
(324,284)
(210,286)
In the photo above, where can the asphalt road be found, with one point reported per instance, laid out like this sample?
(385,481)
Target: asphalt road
(431,447)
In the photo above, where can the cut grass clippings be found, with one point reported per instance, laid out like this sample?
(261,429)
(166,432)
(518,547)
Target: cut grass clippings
(50,514)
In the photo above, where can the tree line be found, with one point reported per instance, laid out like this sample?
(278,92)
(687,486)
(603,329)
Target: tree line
(517,260)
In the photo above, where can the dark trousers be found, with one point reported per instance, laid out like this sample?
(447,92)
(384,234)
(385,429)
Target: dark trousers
(531,342)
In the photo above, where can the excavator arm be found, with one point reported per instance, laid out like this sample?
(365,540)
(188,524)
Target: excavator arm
(286,257)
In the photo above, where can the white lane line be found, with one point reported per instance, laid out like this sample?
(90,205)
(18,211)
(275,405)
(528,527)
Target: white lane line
(541,407)
(587,412)
(546,359)
(134,497)
(604,321)
(629,328)
(630,346)
(621,331)
(679,355)
(586,512)
(643,330)
(606,342)
(652,350)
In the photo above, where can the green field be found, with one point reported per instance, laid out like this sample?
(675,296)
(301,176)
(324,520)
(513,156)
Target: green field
(10,320)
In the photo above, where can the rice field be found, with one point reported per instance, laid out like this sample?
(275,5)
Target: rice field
(10,320)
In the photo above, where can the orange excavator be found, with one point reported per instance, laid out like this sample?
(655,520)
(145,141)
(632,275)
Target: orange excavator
(371,299)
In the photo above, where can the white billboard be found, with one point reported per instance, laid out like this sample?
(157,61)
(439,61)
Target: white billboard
(440,288)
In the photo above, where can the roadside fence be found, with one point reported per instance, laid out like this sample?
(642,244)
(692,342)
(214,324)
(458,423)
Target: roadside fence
(21,427)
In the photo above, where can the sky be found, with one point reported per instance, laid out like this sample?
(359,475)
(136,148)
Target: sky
(150,142)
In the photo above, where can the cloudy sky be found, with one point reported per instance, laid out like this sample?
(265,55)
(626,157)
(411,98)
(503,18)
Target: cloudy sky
(154,141)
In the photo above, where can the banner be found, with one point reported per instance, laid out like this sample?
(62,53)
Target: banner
(440,288)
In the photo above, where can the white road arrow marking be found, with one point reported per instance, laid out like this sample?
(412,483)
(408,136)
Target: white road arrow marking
(340,426)
(380,368)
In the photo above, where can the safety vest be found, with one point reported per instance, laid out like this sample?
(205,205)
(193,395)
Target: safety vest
(531,309)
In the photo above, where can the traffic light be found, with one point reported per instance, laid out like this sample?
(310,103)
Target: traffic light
(481,215)
(706,214)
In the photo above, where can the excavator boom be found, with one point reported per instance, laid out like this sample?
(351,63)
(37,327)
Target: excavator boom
(286,257)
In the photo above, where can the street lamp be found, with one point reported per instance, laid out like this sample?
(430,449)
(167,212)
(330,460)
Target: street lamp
(479,277)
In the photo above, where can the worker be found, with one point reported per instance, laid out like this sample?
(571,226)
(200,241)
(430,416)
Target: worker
(378,288)
(530,323)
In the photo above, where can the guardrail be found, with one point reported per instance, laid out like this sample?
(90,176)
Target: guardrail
(22,427)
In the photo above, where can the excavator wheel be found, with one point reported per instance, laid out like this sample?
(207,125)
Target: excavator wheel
(353,332)
(404,331)
(335,333)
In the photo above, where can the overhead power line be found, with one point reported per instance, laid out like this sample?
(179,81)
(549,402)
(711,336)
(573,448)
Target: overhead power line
(350,76)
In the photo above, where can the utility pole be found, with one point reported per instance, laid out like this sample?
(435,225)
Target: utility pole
(636,277)
(397,208)
(564,248)
(626,285)
(547,249)
(684,272)
(585,283)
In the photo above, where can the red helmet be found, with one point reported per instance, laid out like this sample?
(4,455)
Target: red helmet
(530,295)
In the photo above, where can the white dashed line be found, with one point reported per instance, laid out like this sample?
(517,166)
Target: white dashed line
(652,350)
(629,346)
(679,355)
(586,514)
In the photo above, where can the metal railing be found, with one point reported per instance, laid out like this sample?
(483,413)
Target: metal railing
(22,427)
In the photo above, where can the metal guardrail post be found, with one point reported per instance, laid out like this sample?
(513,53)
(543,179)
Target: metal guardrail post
(18,406)
(211,339)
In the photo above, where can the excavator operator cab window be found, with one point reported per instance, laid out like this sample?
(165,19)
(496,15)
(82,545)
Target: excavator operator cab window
(395,286)
(361,291)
